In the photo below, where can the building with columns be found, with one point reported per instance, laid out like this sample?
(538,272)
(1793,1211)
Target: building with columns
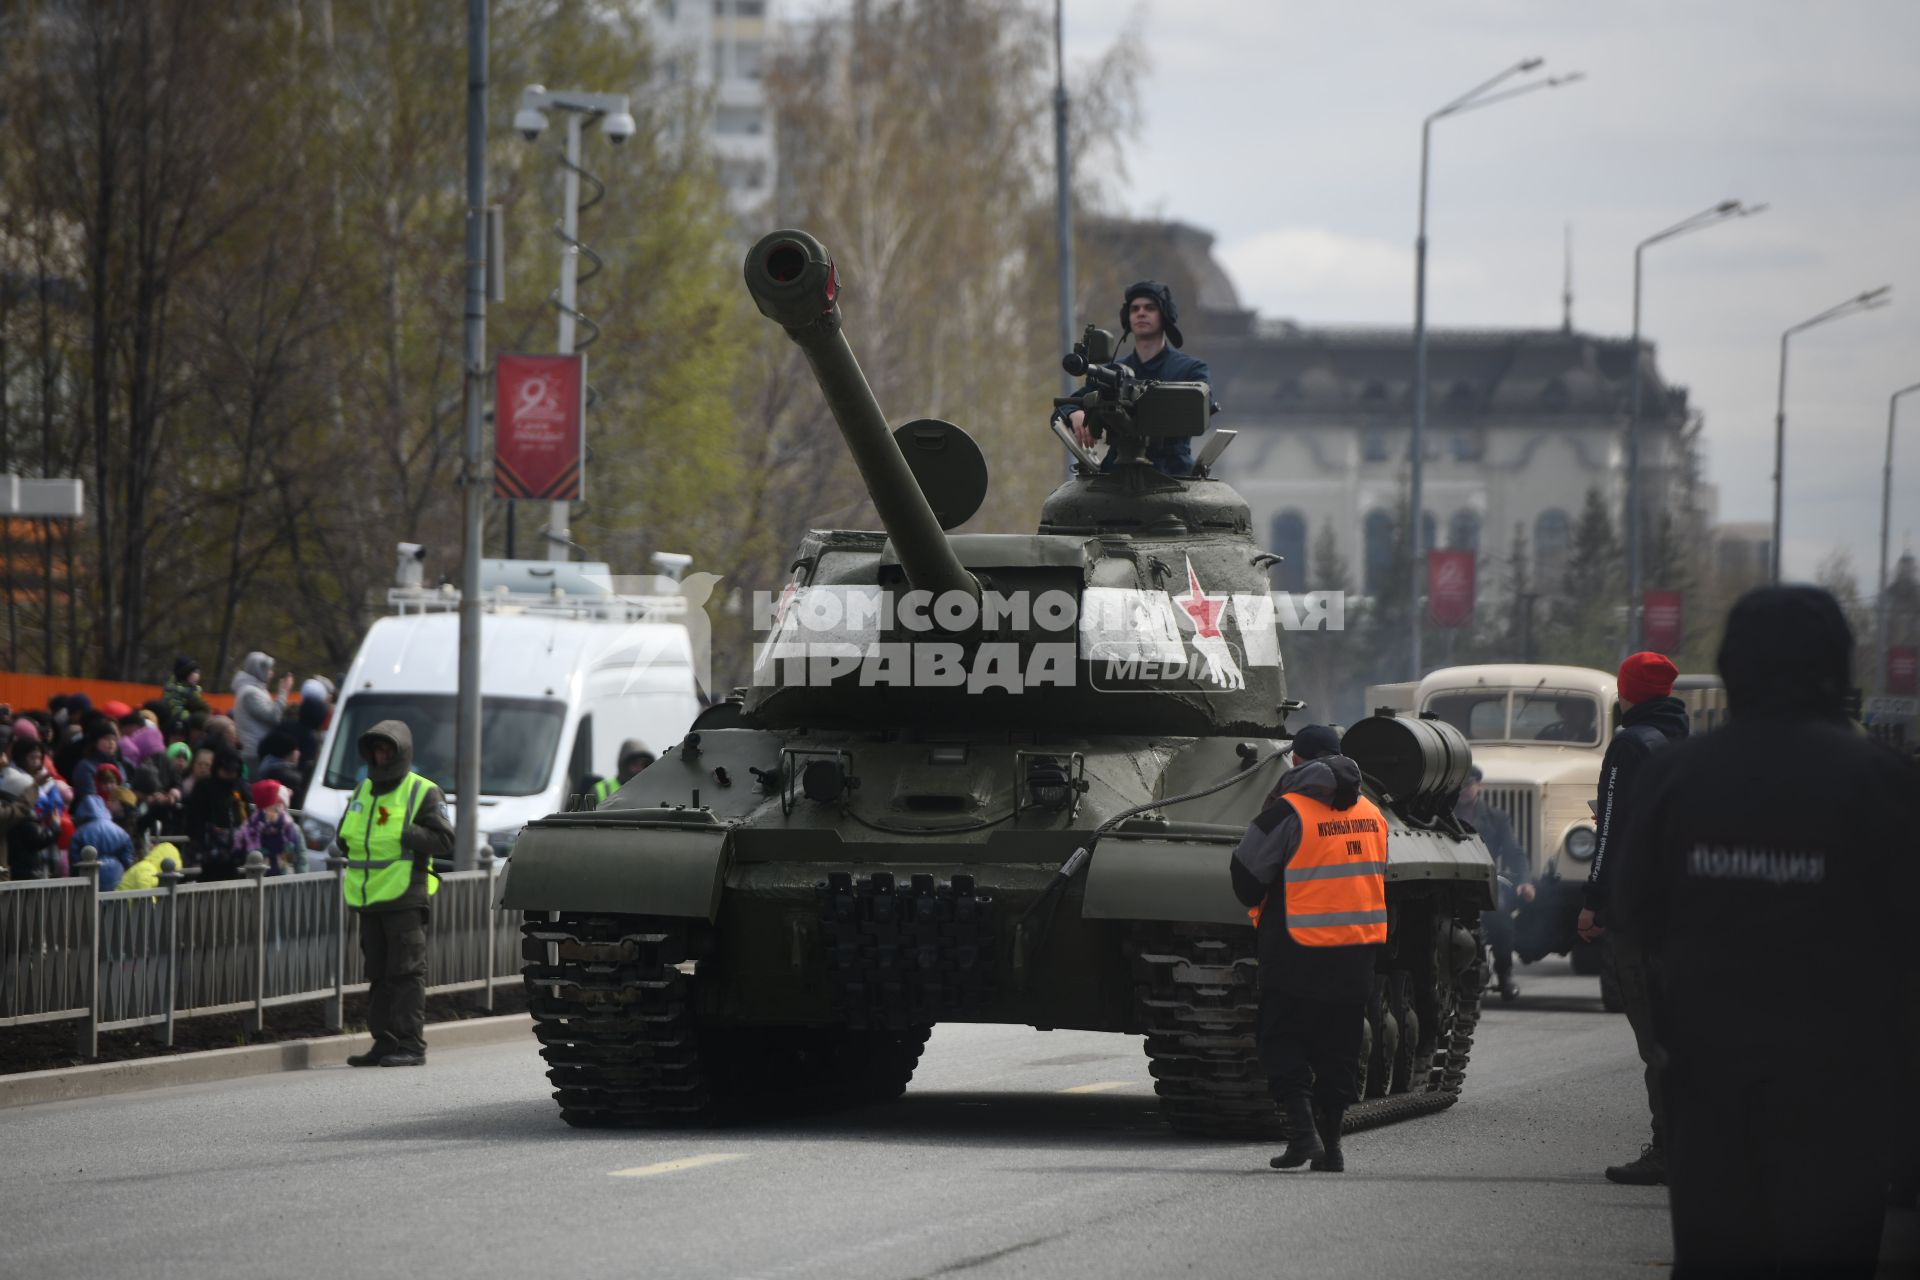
(1521,423)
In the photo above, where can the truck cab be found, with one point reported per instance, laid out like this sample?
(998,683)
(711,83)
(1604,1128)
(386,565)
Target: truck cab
(1538,733)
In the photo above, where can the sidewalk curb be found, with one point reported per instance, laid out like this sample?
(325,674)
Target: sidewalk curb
(99,1080)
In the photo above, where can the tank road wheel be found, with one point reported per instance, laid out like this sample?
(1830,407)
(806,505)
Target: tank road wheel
(1408,1023)
(612,1007)
(1459,1005)
(868,1066)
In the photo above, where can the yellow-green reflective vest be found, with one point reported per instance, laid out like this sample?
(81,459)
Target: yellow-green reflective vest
(602,789)
(379,869)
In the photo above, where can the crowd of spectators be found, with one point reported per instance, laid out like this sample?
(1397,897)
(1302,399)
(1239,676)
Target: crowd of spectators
(170,779)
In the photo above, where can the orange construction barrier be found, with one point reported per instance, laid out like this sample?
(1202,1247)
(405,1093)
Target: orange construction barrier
(33,693)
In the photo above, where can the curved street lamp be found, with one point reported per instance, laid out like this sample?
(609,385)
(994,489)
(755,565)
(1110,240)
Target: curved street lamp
(1482,95)
(1871,300)
(1886,513)
(1705,218)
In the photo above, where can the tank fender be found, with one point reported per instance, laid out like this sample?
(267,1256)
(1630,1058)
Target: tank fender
(1180,880)
(655,871)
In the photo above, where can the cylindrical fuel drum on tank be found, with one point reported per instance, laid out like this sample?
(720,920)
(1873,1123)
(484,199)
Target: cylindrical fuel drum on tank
(1415,761)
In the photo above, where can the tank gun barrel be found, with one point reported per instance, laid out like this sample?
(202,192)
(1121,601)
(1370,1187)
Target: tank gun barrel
(793,282)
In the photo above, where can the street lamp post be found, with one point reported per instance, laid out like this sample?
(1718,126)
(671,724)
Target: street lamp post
(1871,300)
(1063,193)
(581,109)
(1705,218)
(1886,517)
(1480,96)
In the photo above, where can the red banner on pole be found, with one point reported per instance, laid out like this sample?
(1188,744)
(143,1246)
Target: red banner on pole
(1903,669)
(1662,621)
(539,436)
(1450,588)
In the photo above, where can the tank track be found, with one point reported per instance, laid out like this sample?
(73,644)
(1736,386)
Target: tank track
(1197,991)
(612,999)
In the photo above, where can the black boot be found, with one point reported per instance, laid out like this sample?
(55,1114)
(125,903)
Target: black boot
(1303,1142)
(1648,1170)
(1327,1121)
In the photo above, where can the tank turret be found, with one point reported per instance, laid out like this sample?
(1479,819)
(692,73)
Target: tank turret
(793,282)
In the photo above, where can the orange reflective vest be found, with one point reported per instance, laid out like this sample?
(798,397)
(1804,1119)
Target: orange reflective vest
(1336,881)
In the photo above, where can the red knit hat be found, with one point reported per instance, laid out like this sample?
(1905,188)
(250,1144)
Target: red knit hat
(267,792)
(1646,675)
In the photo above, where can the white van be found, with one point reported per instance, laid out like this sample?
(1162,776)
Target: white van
(568,671)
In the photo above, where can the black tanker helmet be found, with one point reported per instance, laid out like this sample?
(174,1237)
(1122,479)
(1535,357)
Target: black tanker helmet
(1169,314)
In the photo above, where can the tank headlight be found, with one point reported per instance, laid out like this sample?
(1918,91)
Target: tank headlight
(1581,842)
(823,781)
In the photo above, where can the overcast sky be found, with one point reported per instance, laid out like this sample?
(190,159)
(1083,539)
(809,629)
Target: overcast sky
(1291,129)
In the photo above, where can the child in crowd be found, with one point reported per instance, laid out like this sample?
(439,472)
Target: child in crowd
(271,830)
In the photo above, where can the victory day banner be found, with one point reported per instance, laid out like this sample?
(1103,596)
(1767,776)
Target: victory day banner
(1450,587)
(1661,619)
(539,421)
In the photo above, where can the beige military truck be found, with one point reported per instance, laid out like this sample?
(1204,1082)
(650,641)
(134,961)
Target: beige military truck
(1539,734)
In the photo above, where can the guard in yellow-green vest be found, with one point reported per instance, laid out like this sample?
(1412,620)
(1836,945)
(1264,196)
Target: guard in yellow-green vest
(395,825)
(634,758)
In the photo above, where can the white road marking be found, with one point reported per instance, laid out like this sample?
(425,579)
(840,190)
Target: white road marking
(1102,1087)
(675,1166)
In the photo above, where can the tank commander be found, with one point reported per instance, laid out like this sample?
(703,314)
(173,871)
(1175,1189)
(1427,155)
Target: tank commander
(634,759)
(394,827)
(1325,846)
(1149,316)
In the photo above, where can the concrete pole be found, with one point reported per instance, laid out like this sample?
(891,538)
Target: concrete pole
(1779,457)
(559,535)
(1886,521)
(1633,473)
(466,732)
(1063,195)
(1415,612)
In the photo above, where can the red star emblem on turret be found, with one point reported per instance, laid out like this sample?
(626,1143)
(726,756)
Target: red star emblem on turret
(1205,610)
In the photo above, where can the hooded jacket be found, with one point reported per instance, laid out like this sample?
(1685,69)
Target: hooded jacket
(1335,974)
(145,874)
(430,835)
(1645,728)
(256,711)
(1774,873)
(110,844)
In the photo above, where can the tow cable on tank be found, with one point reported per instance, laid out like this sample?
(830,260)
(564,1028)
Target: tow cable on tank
(1049,899)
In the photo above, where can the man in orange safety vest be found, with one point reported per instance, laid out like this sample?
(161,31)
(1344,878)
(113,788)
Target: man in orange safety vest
(1312,869)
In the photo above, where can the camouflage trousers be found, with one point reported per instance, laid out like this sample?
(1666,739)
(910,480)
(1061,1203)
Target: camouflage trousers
(394,944)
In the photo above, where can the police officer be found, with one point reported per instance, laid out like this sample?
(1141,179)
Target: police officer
(394,827)
(1772,876)
(1149,316)
(634,758)
(1653,717)
(1312,868)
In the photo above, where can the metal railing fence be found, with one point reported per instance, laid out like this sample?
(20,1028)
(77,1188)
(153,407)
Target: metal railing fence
(150,957)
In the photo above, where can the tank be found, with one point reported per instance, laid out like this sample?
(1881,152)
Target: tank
(982,777)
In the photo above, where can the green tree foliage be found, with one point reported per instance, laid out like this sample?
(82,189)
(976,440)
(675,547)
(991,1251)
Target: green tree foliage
(232,249)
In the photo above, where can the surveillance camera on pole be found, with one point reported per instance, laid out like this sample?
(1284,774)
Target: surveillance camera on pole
(617,123)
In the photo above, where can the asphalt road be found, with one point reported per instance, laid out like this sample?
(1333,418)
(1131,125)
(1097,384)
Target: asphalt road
(1015,1152)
